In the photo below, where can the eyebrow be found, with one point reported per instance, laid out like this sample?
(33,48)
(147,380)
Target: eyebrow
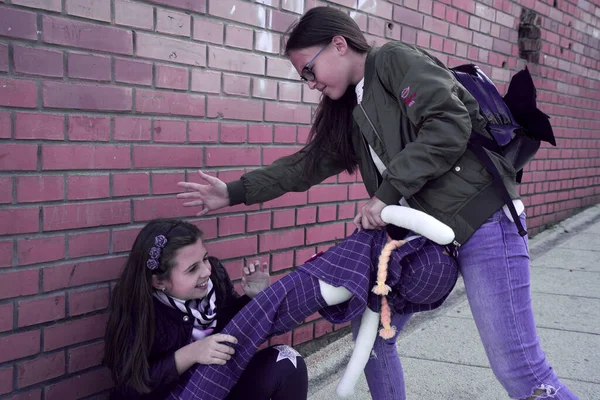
(191,266)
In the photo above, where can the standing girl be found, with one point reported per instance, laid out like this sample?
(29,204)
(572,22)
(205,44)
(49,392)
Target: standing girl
(167,310)
(398,114)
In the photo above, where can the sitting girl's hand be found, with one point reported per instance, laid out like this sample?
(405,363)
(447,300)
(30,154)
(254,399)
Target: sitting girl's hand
(254,280)
(211,349)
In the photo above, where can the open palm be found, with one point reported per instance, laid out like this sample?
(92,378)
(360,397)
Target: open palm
(212,196)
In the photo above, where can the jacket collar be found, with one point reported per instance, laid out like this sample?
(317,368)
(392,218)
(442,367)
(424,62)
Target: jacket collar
(369,66)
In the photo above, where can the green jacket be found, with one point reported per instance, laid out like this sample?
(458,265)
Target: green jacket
(418,119)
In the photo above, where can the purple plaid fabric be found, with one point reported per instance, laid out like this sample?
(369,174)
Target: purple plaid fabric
(420,273)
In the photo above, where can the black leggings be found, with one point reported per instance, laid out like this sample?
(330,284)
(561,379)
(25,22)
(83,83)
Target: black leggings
(266,378)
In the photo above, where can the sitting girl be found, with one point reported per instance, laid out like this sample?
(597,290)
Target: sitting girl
(167,310)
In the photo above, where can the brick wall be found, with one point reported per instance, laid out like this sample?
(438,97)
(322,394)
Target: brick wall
(105,105)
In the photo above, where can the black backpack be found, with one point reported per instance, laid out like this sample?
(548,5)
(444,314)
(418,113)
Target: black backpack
(516,126)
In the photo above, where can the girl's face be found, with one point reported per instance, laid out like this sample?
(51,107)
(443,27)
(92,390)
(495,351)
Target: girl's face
(189,275)
(328,64)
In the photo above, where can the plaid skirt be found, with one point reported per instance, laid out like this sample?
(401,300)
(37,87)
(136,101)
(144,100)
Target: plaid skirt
(420,274)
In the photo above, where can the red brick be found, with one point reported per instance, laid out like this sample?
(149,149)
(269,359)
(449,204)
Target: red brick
(133,71)
(267,42)
(236,36)
(286,338)
(123,239)
(69,32)
(264,88)
(283,218)
(260,134)
(172,50)
(206,81)
(80,386)
(287,200)
(280,21)
(327,213)
(91,9)
(233,133)
(282,261)
(5,125)
(167,156)
(83,187)
(30,395)
(37,61)
(303,334)
(206,30)
(482,41)
(33,251)
(239,11)
(130,184)
(88,301)
(82,273)
(82,215)
(208,227)
(18,93)
(325,233)
(6,189)
(41,369)
(232,225)
(289,113)
(329,193)
(33,312)
(198,6)
(6,380)
(357,192)
(289,91)
(279,68)
(259,222)
(150,208)
(501,46)
(39,126)
(137,15)
(84,128)
(19,220)
(306,215)
(18,24)
(166,183)
(40,188)
(88,244)
(84,357)
(169,131)
(231,156)
(346,211)
(132,129)
(68,157)
(322,328)
(89,66)
(171,77)
(231,108)
(234,248)
(485,12)
(436,26)
(462,34)
(6,320)
(236,85)
(236,61)
(281,240)
(19,345)
(408,17)
(153,102)
(173,22)
(86,97)
(50,5)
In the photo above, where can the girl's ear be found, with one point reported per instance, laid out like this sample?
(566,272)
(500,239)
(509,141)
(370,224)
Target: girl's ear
(158,284)
(340,44)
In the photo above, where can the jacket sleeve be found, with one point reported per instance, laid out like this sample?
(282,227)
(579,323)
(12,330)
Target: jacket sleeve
(429,96)
(163,371)
(283,176)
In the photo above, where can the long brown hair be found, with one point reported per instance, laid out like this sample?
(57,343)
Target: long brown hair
(332,126)
(130,330)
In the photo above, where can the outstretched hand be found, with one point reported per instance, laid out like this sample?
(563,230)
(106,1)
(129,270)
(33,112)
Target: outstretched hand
(212,196)
(254,280)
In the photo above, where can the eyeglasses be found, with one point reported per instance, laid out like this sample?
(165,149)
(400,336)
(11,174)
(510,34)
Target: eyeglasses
(307,74)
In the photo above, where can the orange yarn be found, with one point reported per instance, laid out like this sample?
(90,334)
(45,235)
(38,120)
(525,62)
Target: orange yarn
(382,289)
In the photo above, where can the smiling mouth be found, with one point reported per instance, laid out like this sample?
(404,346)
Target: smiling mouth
(202,285)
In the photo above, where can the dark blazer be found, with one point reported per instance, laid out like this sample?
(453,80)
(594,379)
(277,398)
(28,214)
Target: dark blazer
(173,330)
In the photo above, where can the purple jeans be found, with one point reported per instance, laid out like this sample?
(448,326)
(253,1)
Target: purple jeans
(494,264)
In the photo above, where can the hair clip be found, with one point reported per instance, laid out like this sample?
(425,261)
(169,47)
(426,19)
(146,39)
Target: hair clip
(155,252)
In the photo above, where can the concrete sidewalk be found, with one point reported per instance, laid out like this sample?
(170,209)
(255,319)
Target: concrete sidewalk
(441,352)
